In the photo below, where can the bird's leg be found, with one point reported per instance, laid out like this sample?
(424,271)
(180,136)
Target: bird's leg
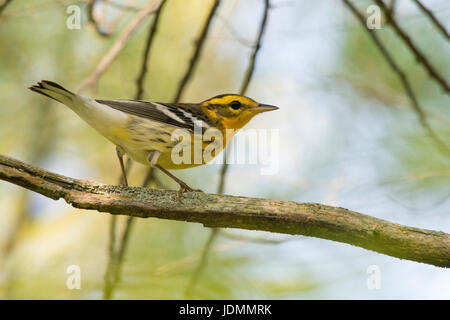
(153,159)
(120,154)
(183,186)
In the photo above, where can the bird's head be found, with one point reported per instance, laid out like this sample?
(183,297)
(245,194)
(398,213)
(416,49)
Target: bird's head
(233,111)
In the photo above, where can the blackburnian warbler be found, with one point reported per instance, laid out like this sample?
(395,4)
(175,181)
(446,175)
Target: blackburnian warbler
(151,132)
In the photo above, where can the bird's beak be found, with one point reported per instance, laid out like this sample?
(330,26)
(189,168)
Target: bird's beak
(264,108)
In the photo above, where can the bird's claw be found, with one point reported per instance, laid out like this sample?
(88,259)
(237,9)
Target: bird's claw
(185,188)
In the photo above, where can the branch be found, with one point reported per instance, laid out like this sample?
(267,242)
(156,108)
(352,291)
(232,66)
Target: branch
(402,76)
(198,48)
(419,56)
(151,36)
(433,18)
(391,10)
(112,53)
(309,219)
(251,66)
(110,265)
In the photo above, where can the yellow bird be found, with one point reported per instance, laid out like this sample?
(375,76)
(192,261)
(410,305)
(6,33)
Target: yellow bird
(160,134)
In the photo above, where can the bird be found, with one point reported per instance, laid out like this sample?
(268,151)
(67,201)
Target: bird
(159,134)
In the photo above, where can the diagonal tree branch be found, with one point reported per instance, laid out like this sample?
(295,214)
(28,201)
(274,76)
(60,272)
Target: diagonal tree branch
(252,63)
(148,45)
(198,49)
(433,18)
(419,56)
(309,219)
(402,77)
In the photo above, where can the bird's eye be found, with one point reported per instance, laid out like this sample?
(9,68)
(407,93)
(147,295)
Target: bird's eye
(235,104)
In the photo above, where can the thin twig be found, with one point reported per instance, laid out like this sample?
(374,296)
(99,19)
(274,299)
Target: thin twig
(151,35)
(121,250)
(392,8)
(402,76)
(112,25)
(112,53)
(198,48)
(433,18)
(251,66)
(418,54)
(107,288)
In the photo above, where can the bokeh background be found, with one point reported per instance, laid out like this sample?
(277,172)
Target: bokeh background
(348,137)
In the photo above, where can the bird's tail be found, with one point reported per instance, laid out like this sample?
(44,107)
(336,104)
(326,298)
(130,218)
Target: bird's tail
(54,91)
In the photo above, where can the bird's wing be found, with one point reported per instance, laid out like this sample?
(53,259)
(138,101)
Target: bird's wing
(180,115)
